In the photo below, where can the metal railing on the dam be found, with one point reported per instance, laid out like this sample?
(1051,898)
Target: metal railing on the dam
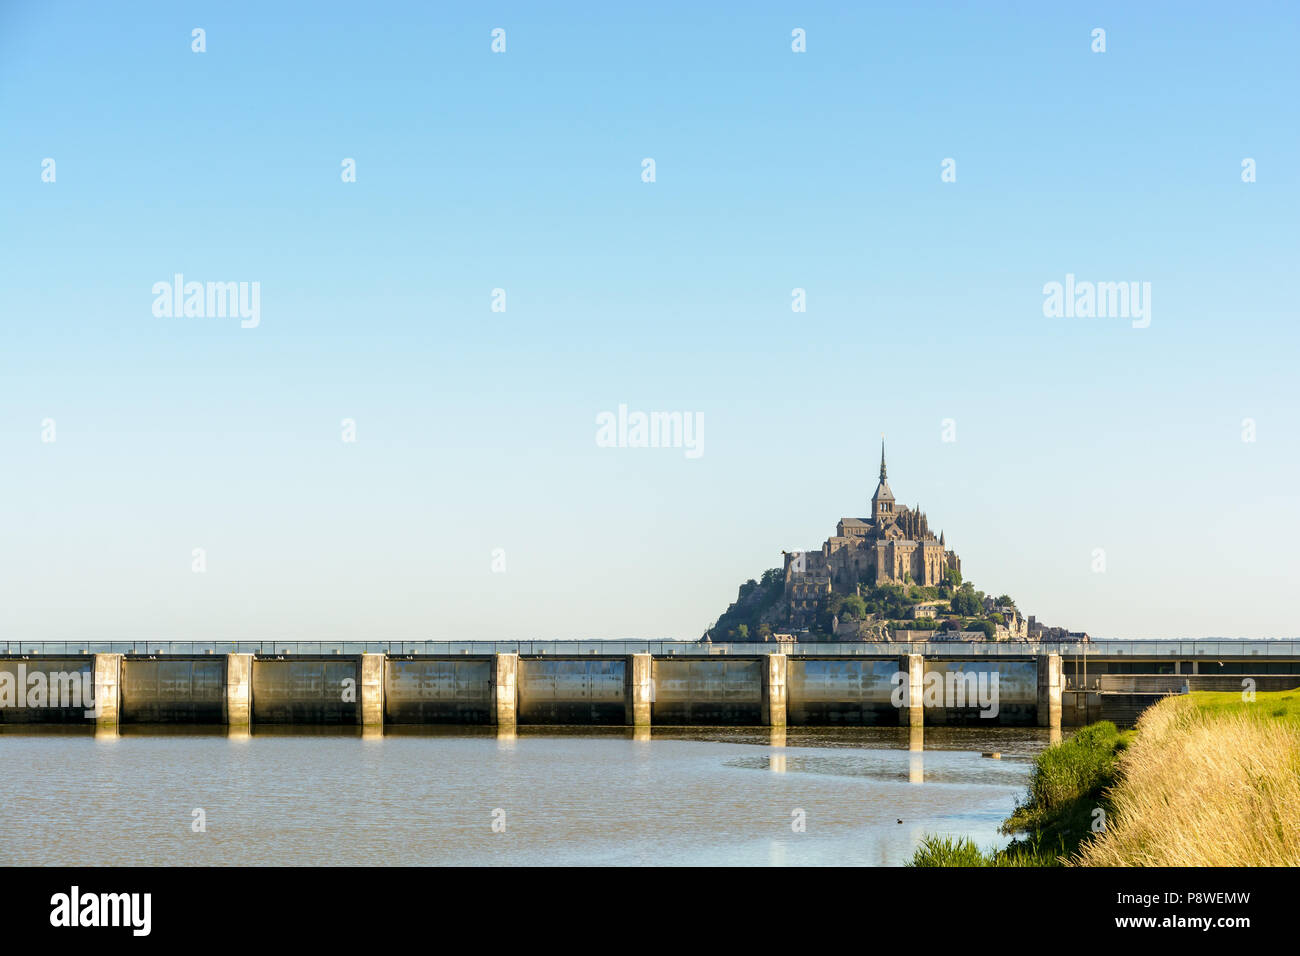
(1281,648)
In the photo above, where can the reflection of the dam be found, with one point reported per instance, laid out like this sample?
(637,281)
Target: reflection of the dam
(776,762)
(916,755)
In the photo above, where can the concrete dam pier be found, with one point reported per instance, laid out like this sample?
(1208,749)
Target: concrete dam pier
(637,690)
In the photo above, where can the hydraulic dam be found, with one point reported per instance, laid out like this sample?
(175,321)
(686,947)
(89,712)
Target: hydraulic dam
(618,683)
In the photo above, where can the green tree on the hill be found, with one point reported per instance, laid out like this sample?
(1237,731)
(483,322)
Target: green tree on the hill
(966,602)
(853,607)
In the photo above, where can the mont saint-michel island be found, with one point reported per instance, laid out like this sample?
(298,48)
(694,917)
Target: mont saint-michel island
(885,578)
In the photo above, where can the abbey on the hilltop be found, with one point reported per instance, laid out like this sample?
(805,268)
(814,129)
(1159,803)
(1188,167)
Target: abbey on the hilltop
(894,546)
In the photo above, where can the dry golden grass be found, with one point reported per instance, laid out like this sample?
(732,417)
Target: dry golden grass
(1204,788)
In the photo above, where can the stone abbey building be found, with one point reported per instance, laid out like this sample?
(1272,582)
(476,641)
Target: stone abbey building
(894,546)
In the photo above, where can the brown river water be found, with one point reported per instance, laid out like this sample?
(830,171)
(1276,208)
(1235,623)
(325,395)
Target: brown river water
(540,796)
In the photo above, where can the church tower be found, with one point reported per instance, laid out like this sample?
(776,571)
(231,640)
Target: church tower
(882,502)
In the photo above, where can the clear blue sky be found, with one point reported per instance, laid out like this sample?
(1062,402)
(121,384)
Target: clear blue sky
(522,171)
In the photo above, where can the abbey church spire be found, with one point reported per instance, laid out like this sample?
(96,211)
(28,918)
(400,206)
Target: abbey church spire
(882,502)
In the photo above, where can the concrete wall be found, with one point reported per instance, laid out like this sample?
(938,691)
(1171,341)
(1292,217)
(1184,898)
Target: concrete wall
(710,690)
(430,690)
(1080,707)
(1051,682)
(640,690)
(307,690)
(185,690)
(635,690)
(834,692)
(505,689)
(16,673)
(239,689)
(108,691)
(1173,683)
(372,690)
(772,711)
(1123,710)
(913,691)
(1017,692)
(573,690)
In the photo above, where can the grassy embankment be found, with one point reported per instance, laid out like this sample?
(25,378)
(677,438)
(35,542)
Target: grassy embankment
(1068,782)
(1206,780)
(1211,780)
